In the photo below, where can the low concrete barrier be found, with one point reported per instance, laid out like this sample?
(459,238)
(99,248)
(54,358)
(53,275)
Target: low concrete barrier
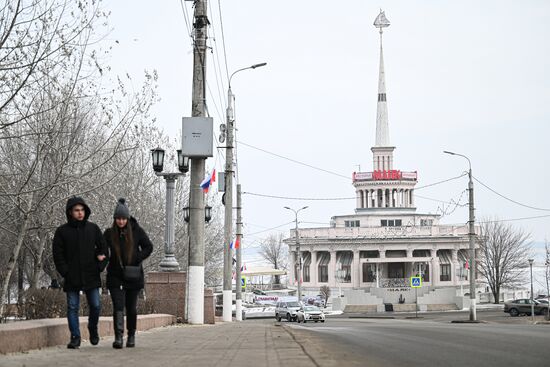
(20,336)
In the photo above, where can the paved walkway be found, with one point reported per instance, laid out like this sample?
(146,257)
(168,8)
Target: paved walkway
(248,343)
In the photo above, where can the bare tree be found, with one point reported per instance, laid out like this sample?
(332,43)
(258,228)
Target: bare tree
(275,252)
(324,290)
(40,43)
(70,149)
(504,252)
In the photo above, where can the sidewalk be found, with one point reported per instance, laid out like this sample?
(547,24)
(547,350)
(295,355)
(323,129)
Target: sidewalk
(248,343)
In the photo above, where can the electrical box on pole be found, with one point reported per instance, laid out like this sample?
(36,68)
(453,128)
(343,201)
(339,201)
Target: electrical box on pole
(197,137)
(221,181)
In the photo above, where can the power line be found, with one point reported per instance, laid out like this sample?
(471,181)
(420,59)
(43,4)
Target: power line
(223,39)
(440,182)
(295,161)
(296,198)
(269,229)
(514,219)
(511,200)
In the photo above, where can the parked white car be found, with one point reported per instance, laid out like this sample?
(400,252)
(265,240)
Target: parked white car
(310,313)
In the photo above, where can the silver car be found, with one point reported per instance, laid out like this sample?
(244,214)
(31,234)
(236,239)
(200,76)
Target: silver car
(286,310)
(310,313)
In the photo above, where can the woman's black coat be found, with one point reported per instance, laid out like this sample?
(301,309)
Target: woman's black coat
(142,249)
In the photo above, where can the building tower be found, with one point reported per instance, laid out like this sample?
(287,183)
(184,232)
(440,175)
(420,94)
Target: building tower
(384,187)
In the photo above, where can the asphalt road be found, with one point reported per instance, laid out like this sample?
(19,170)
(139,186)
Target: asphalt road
(432,341)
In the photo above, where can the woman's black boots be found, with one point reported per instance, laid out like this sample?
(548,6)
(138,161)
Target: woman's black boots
(118,321)
(131,341)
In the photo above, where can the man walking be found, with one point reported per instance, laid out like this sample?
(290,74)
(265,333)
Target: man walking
(79,253)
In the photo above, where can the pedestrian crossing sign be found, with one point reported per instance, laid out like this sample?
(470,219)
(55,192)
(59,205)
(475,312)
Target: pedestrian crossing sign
(243,282)
(416,282)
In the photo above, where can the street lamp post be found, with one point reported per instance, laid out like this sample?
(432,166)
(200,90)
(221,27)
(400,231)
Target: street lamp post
(471,235)
(532,299)
(299,253)
(228,228)
(169,262)
(340,274)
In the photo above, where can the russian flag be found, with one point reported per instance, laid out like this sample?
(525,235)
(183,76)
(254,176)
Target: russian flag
(205,184)
(236,244)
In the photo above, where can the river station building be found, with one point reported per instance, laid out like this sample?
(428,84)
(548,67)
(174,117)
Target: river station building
(385,241)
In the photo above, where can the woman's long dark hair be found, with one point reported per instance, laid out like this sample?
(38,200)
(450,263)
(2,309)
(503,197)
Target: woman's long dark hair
(116,233)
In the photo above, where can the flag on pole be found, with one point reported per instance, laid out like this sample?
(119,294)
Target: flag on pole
(243,267)
(205,184)
(466,265)
(236,244)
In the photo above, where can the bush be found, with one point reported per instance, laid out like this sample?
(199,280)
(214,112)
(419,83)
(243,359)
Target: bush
(43,304)
(52,303)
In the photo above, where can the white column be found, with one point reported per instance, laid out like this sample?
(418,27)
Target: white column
(365,199)
(398,200)
(454,266)
(412,197)
(356,270)
(383,198)
(313,270)
(380,267)
(435,267)
(370,199)
(359,199)
(332,269)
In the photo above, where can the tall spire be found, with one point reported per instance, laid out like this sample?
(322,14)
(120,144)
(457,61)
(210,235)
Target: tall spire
(382,129)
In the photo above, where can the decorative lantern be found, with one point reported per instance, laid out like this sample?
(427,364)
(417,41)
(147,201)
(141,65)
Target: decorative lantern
(186,214)
(183,162)
(158,159)
(207,213)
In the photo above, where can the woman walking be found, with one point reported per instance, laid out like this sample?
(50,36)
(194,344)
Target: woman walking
(128,246)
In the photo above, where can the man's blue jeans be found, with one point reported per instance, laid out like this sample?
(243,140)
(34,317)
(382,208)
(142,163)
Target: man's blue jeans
(73,307)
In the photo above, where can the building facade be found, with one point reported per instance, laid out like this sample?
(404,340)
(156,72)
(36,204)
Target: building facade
(385,241)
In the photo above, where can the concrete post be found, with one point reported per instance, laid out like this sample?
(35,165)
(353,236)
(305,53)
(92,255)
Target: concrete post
(196,195)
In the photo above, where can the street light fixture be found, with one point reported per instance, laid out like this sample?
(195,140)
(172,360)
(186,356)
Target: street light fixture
(158,159)
(532,299)
(169,262)
(340,274)
(471,234)
(207,213)
(299,252)
(228,220)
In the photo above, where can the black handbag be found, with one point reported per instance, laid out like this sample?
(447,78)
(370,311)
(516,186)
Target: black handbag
(131,273)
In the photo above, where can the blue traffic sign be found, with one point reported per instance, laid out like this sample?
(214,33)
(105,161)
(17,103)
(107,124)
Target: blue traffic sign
(416,282)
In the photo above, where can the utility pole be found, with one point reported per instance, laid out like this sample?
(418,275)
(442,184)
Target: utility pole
(228,223)
(299,278)
(195,275)
(238,294)
(471,238)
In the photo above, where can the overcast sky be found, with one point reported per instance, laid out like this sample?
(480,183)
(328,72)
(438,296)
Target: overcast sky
(467,76)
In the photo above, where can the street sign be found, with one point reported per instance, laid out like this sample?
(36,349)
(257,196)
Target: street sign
(416,282)
(243,282)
